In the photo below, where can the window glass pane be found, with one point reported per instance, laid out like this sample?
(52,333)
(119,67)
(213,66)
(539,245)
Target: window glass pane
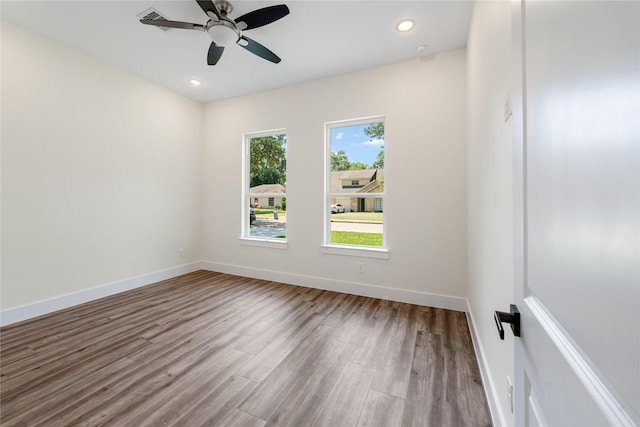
(356,190)
(267,186)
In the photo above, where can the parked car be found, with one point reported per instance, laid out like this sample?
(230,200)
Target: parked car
(252,216)
(337,208)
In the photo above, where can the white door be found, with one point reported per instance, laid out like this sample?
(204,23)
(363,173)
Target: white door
(577,189)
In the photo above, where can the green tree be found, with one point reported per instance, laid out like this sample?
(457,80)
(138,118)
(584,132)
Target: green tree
(340,161)
(376,131)
(268,160)
(269,176)
(379,163)
(358,166)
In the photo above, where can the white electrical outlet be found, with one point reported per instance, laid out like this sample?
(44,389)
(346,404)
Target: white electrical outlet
(181,253)
(510,393)
(361,267)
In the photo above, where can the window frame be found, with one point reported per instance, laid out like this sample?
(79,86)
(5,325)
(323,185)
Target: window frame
(327,247)
(245,236)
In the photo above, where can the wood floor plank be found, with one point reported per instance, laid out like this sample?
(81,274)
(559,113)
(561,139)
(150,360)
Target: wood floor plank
(456,334)
(273,354)
(346,399)
(272,328)
(41,393)
(342,311)
(191,396)
(68,319)
(359,320)
(206,363)
(376,336)
(209,348)
(48,408)
(464,387)
(426,385)
(141,383)
(381,410)
(392,374)
(218,406)
(298,366)
(99,336)
(238,418)
(302,404)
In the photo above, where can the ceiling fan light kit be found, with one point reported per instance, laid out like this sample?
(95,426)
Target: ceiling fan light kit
(225,31)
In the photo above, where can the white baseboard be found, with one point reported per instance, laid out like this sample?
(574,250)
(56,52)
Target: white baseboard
(392,294)
(28,311)
(489,386)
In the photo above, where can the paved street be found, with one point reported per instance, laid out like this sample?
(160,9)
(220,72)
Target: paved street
(361,227)
(268,228)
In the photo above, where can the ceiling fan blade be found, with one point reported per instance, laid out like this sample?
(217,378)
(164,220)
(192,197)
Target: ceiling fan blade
(215,52)
(173,24)
(257,49)
(263,16)
(209,8)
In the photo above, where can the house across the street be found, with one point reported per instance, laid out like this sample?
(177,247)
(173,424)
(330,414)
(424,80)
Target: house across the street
(267,195)
(358,182)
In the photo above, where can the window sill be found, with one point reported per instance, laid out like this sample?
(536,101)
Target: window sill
(264,243)
(365,252)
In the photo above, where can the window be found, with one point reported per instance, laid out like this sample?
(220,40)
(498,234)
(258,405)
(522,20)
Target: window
(264,186)
(354,186)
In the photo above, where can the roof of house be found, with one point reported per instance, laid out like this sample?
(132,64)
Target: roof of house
(371,187)
(365,176)
(268,189)
(353,174)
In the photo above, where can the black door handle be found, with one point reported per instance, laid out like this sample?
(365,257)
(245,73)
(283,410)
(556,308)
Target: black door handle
(513,317)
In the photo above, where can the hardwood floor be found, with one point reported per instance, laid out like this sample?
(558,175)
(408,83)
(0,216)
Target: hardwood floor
(213,349)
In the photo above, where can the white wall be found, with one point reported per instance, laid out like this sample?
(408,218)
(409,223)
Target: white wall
(424,102)
(101,172)
(490,198)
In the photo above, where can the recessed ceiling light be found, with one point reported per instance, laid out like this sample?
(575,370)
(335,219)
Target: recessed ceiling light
(405,25)
(195,82)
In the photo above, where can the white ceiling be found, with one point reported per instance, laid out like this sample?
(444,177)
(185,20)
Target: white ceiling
(317,39)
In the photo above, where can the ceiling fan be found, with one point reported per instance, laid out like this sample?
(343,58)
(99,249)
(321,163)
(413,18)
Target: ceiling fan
(225,31)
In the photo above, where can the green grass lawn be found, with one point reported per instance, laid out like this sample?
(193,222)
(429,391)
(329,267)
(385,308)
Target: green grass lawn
(362,216)
(354,238)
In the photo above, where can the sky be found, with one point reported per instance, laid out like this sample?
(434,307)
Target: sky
(355,143)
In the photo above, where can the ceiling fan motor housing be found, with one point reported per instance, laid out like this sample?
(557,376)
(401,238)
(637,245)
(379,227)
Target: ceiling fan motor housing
(224,32)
